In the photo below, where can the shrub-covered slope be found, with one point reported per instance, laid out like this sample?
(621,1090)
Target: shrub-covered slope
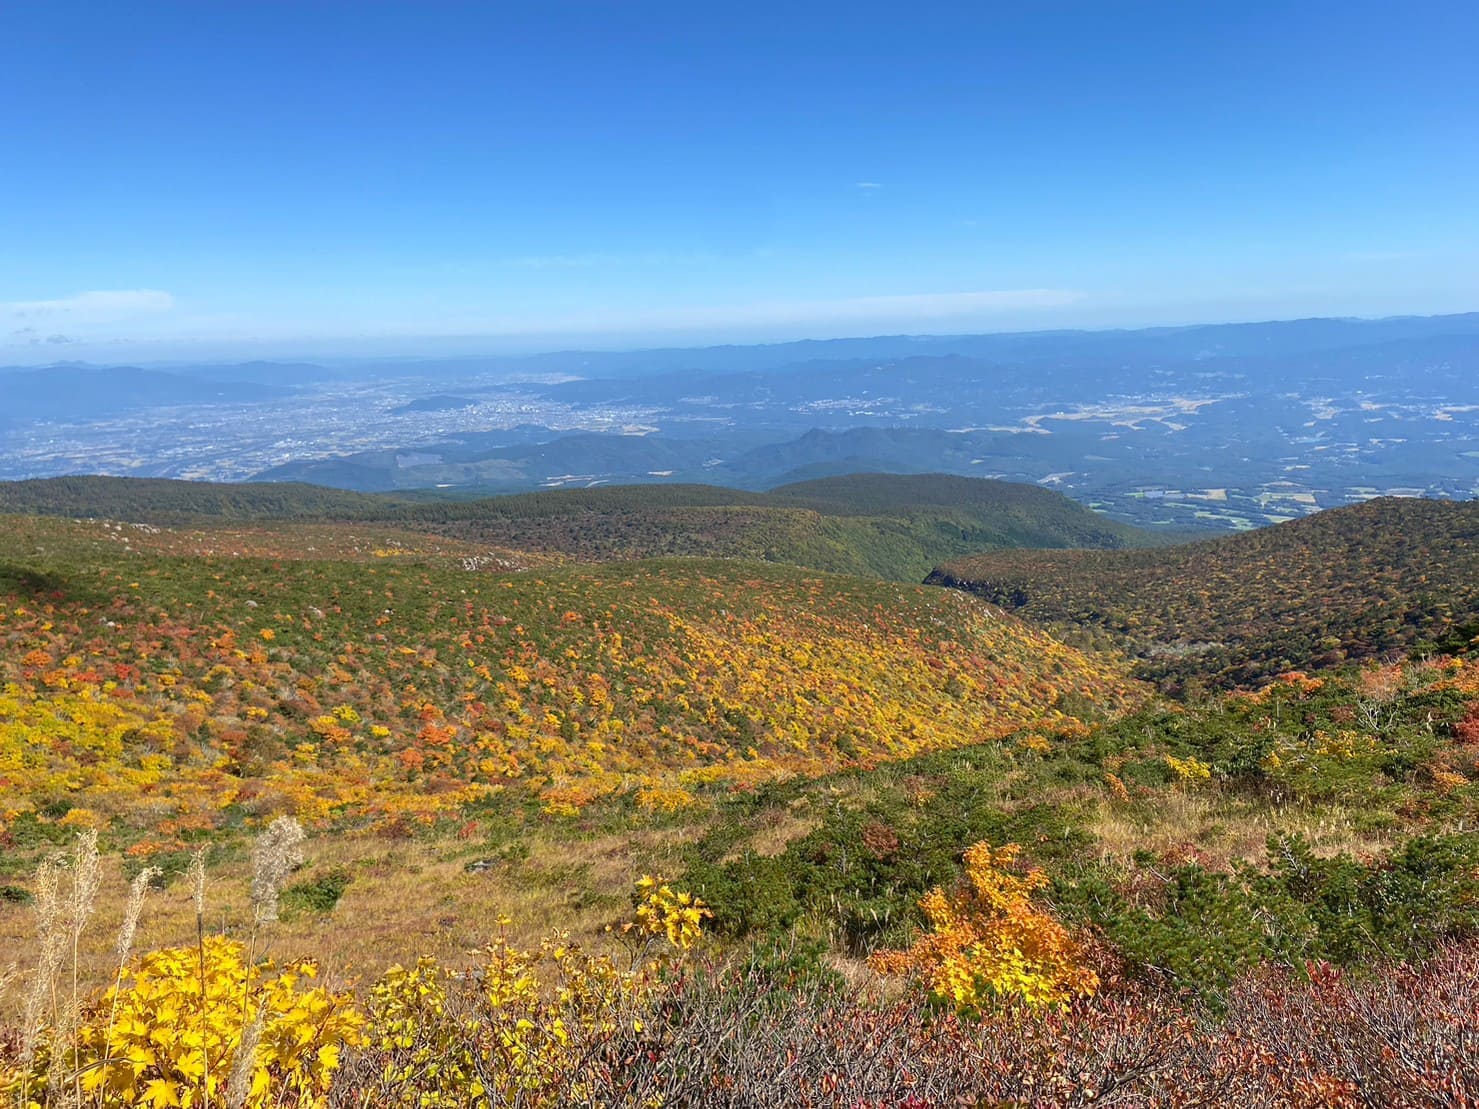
(161,500)
(1318,818)
(888,525)
(1347,583)
(172,693)
(1190,881)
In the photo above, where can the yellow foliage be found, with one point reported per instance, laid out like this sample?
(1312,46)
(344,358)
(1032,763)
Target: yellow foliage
(1446,781)
(192,1027)
(512,1033)
(1189,769)
(666,799)
(678,916)
(990,941)
(423,1042)
(170,1035)
(719,683)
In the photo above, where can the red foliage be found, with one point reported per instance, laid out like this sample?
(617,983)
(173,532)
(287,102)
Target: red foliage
(1467,729)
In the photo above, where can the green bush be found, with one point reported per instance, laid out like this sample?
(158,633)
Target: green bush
(319,894)
(1201,927)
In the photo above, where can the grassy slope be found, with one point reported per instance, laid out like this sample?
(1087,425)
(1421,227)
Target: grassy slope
(1346,583)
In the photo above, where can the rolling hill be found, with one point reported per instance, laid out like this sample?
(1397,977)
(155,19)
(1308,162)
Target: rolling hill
(165,500)
(884,525)
(1348,583)
(167,694)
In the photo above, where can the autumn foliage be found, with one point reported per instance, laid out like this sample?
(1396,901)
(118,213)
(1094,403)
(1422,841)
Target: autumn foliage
(657,1025)
(990,942)
(940,857)
(173,1032)
(211,1024)
(168,696)
(1342,585)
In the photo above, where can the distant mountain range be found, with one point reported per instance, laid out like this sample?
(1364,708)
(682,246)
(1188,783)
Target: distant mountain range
(73,393)
(585,459)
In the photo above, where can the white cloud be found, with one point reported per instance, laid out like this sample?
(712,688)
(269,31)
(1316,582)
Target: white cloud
(867,185)
(101,316)
(35,337)
(84,309)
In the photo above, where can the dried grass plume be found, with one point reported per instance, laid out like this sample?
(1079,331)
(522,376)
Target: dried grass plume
(275,855)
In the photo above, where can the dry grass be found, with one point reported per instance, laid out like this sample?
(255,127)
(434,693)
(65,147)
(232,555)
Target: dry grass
(776,828)
(405,898)
(1224,829)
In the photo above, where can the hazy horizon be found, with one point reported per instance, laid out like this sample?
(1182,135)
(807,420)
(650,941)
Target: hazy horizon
(411,348)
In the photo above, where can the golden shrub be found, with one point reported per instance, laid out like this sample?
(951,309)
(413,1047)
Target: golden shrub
(184,1022)
(517,1029)
(662,912)
(990,940)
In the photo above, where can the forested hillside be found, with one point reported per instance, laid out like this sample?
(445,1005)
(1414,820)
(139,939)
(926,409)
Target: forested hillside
(884,525)
(161,500)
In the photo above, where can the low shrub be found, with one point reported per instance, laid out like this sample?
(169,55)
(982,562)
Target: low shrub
(319,894)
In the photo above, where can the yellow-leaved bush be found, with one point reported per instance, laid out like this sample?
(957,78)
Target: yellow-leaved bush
(206,1026)
(1189,770)
(171,1033)
(517,1030)
(661,912)
(990,941)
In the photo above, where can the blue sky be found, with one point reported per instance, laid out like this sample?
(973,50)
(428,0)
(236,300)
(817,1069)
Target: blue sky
(274,177)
